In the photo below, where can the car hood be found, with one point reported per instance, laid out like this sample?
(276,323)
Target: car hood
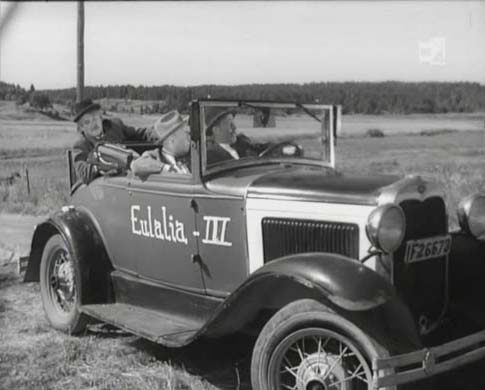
(304,183)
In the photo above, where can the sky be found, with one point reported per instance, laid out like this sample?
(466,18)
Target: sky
(225,42)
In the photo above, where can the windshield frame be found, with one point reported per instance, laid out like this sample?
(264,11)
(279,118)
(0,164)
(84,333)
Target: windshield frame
(230,165)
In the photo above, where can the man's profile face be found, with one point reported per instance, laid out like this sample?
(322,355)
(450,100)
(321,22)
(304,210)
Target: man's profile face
(91,124)
(225,130)
(180,141)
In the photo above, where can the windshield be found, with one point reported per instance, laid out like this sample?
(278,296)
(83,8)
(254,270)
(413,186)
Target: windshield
(254,132)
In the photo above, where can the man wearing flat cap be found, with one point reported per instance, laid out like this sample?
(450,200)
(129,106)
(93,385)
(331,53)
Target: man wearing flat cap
(92,129)
(173,154)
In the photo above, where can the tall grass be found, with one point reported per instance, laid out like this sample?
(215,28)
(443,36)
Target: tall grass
(35,356)
(46,195)
(47,182)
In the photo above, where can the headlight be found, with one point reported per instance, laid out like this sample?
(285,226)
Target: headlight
(471,215)
(385,227)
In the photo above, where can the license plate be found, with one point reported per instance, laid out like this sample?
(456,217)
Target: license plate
(427,248)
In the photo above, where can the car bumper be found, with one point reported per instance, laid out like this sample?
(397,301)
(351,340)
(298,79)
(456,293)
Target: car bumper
(412,366)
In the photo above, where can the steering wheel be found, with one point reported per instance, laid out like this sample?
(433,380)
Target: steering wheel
(280,145)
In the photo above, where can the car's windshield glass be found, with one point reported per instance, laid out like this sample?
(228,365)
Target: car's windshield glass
(253,131)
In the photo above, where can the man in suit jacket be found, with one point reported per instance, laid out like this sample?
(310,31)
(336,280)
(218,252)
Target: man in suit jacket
(225,144)
(92,129)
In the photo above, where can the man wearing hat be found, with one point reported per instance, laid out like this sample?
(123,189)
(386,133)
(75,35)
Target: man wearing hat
(92,129)
(173,154)
(223,142)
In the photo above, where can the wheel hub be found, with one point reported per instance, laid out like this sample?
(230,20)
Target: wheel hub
(65,278)
(62,282)
(321,372)
(318,359)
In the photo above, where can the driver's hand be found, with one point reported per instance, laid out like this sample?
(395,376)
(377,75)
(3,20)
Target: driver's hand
(289,150)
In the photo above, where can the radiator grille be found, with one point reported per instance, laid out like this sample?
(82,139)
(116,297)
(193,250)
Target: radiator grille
(422,284)
(283,237)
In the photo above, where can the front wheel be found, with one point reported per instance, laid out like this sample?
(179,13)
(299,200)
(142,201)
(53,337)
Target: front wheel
(305,346)
(60,287)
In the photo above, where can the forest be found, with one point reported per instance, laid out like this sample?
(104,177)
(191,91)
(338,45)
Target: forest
(388,97)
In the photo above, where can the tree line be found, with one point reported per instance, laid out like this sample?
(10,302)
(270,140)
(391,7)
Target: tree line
(18,94)
(355,97)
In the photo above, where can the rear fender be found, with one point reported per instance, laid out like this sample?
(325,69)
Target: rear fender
(84,244)
(344,285)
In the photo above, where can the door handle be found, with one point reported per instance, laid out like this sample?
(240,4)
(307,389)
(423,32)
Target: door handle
(196,259)
(194,205)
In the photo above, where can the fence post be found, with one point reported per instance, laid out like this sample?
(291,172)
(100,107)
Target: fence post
(27,180)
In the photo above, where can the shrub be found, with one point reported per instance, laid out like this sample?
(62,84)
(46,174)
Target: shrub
(433,132)
(374,133)
(40,100)
(22,99)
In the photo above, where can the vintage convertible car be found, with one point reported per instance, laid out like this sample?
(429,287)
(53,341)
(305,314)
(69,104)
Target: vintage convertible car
(340,279)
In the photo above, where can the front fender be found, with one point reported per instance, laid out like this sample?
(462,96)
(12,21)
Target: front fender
(345,282)
(84,244)
(342,284)
(467,271)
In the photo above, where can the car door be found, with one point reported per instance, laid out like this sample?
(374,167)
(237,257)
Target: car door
(107,201)
(162,226)
(222,243)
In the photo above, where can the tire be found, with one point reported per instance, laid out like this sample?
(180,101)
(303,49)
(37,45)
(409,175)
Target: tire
(60,287)
(306,346)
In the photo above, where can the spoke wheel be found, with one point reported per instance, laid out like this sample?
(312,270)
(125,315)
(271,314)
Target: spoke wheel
(60,287)
(307,346)
(318,359)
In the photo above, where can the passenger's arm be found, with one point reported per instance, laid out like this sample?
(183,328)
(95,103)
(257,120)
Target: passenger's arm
(147,134)
(85,170)
(244,143)
(149,162)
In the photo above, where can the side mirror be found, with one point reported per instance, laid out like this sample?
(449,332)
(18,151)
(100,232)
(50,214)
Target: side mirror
(263,118)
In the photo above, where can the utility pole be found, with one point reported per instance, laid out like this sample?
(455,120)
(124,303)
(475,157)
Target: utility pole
(80,51)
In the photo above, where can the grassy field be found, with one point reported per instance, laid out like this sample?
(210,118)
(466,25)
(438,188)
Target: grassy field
(455,160)
(32,355)
(357,124)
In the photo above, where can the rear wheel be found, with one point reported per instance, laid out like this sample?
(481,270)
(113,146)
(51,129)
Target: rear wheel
(60,287)
(305,346)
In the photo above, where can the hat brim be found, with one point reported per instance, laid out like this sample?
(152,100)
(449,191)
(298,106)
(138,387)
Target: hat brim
(91,107)
(216,118)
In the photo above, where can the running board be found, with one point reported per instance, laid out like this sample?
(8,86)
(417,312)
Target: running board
(150,324)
